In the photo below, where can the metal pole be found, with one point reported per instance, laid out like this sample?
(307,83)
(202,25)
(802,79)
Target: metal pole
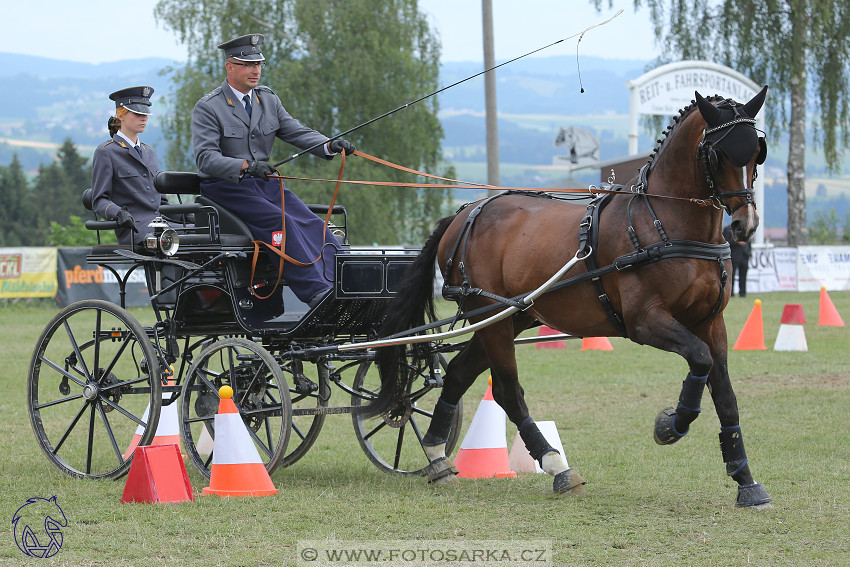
(491,107)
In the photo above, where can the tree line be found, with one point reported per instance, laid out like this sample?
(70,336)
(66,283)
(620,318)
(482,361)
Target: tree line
(46,210)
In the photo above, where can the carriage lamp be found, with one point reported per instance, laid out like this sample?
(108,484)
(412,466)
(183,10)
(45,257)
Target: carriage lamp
(163,240)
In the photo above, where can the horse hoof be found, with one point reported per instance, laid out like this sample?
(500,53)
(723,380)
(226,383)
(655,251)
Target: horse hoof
(753,496)
(665,427)
(441,471)
(569,482)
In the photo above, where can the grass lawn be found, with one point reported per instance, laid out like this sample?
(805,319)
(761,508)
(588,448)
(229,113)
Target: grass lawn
(645,504)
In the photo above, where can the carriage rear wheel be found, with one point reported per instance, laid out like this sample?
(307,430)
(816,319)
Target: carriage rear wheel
(94,390)
(393,440)
(260,393)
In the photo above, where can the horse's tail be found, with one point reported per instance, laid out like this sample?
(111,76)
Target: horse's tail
(413,306)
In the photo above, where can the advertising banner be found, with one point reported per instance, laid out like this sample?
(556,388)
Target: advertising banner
(78,280)
(827,266)
(772,269)
(27,272)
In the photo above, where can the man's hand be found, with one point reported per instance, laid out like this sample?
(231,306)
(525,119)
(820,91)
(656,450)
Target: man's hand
(126,220)
(339,145)
(261,169)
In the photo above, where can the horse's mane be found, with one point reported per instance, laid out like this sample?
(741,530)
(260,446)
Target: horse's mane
(674,125)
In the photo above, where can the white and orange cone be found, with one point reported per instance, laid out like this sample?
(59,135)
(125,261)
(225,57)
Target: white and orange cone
(237,469)
(520,458)
(167,430)
(484,451)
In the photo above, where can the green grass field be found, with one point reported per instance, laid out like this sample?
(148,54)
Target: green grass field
(645,504)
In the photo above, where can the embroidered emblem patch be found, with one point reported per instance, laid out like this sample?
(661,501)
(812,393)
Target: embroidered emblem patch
(277,238)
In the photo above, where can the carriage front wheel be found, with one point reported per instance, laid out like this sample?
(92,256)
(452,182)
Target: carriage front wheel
(260,393)
(93,390)
(393,440)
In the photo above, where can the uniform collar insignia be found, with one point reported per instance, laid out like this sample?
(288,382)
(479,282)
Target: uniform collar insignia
(123,145)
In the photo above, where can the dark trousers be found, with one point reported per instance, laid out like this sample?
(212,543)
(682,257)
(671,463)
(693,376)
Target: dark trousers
(258,204)
(739,271)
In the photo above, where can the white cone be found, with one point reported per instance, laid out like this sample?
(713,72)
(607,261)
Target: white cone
(791,337)
(520,458)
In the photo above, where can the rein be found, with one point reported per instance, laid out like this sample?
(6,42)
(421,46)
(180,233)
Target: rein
(281,251)
(593,190)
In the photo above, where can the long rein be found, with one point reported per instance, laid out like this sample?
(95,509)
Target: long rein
(592,190)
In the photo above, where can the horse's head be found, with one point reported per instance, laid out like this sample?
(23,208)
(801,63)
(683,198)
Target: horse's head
(730,152)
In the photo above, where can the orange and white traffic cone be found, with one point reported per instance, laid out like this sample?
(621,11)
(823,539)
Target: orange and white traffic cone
(237,469)
(828,314)
(791,334)
(484,451)
(596,343)
(167,430)
(752,335)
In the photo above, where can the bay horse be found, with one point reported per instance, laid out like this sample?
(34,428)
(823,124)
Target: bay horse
(654,270)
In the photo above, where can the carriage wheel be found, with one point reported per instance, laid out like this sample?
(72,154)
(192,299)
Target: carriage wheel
(308,390)
(393,440)
(260,393)
(94,389)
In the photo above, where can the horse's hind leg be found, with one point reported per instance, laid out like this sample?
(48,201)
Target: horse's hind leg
(498,341)
(462,371)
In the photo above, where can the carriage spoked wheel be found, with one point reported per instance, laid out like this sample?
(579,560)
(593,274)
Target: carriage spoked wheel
(260,392)
(393,440)
(309,392)
(94,390)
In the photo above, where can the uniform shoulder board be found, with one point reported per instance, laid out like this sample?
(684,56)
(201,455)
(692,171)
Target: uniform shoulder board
(264,88)
(107,143)
(212,93)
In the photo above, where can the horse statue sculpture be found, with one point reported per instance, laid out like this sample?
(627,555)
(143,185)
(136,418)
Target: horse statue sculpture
(647,261)
(581,143)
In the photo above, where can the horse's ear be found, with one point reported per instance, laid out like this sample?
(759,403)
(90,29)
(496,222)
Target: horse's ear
(709,112)
(752,108)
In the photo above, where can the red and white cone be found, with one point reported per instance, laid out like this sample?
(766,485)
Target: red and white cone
(484,451)
(237,469)
(791,334)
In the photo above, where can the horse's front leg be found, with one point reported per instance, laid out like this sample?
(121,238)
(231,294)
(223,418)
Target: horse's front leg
(750,493)
(707,364)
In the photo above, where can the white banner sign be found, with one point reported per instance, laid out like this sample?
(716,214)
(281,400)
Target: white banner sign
(827,266)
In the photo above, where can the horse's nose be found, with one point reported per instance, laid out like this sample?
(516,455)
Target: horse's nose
(744,230)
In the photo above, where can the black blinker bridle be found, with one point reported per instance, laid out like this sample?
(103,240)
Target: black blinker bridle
(707,155)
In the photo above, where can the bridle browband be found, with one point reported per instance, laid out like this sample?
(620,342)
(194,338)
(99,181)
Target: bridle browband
(707,156)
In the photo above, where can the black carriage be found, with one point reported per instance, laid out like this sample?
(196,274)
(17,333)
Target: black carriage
(100,381)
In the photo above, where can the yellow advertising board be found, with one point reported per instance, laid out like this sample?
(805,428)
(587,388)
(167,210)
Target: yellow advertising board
(27,272)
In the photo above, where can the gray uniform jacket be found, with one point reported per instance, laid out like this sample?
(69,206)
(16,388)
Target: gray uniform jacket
(223,135)
(120,178)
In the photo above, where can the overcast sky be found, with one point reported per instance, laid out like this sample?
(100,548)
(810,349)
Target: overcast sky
(86,31)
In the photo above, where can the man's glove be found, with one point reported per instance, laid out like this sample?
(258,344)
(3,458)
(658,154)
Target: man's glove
(261,169)
(126,220)
(339,145)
